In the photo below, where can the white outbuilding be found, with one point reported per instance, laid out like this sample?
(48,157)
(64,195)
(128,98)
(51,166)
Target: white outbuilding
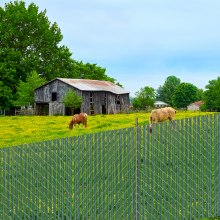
(160,104)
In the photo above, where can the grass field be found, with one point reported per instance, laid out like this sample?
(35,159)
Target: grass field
(100,171)
(17,130)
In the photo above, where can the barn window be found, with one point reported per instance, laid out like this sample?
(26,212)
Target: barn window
(54,96)
(105,99)
(91,97)
(117,100)
(92,110)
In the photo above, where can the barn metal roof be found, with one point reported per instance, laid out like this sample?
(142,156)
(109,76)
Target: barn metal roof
(91,85)
(198,103)
(160,103)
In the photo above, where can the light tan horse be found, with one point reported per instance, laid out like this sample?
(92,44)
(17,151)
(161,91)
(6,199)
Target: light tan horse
(78,119)
(162,114)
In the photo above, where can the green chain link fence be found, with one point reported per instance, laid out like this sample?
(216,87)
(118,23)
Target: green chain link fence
(172,173)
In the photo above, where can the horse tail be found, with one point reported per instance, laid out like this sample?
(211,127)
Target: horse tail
(71,124)
(85,115)
(151,123)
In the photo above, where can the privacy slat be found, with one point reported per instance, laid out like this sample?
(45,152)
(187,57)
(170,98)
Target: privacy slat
(173,173)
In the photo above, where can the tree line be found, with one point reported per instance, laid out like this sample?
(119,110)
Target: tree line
(179,94)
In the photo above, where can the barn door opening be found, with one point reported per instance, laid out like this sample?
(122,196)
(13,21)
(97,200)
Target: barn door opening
(104,104)
(68,111)
(118,104)
(42,109)
(76,111)
(103,109)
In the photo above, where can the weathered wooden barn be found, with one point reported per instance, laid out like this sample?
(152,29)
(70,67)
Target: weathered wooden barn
(99,97)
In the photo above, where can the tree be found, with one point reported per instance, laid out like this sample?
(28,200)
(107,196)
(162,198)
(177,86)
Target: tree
(144,98)
(72,100)
(26,89)
(165,93)
(90,71)
(29,42)
(5,96)
(159,93)
(200,94)
(185,93)
(212,95)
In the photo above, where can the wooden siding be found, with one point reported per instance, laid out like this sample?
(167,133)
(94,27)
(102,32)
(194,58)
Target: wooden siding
(98,102)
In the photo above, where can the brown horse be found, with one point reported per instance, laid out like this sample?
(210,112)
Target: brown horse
(162,114)
(78,119)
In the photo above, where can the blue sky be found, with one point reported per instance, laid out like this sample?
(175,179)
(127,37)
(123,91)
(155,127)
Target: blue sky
(141,43)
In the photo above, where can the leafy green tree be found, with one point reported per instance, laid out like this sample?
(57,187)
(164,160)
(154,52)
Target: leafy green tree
(200,94)
(159,93)
(28,41)
(212,95)
(144,98)
(185,93)
(165,93)
(5,96)
(26,89)
(90,71)
(72,100)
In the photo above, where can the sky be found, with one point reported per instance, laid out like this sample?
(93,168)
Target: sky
(142,42)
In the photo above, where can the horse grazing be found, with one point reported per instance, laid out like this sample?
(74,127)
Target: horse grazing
(162,114)
(78,119)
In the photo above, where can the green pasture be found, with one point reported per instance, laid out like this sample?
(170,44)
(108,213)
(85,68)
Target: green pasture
(17,130)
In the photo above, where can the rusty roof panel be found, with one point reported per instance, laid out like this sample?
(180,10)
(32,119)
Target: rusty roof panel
(94,85)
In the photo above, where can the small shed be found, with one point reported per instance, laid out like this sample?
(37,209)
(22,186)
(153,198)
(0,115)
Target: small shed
(99,97)
(195,106)
(160,104)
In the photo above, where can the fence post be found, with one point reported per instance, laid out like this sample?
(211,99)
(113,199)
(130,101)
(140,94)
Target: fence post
(218,202)
(136,168)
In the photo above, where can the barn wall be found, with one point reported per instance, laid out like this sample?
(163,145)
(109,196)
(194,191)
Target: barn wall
(105,103)
(56,108)
(93,102)
(44,95)
(118,103)
(193,107)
